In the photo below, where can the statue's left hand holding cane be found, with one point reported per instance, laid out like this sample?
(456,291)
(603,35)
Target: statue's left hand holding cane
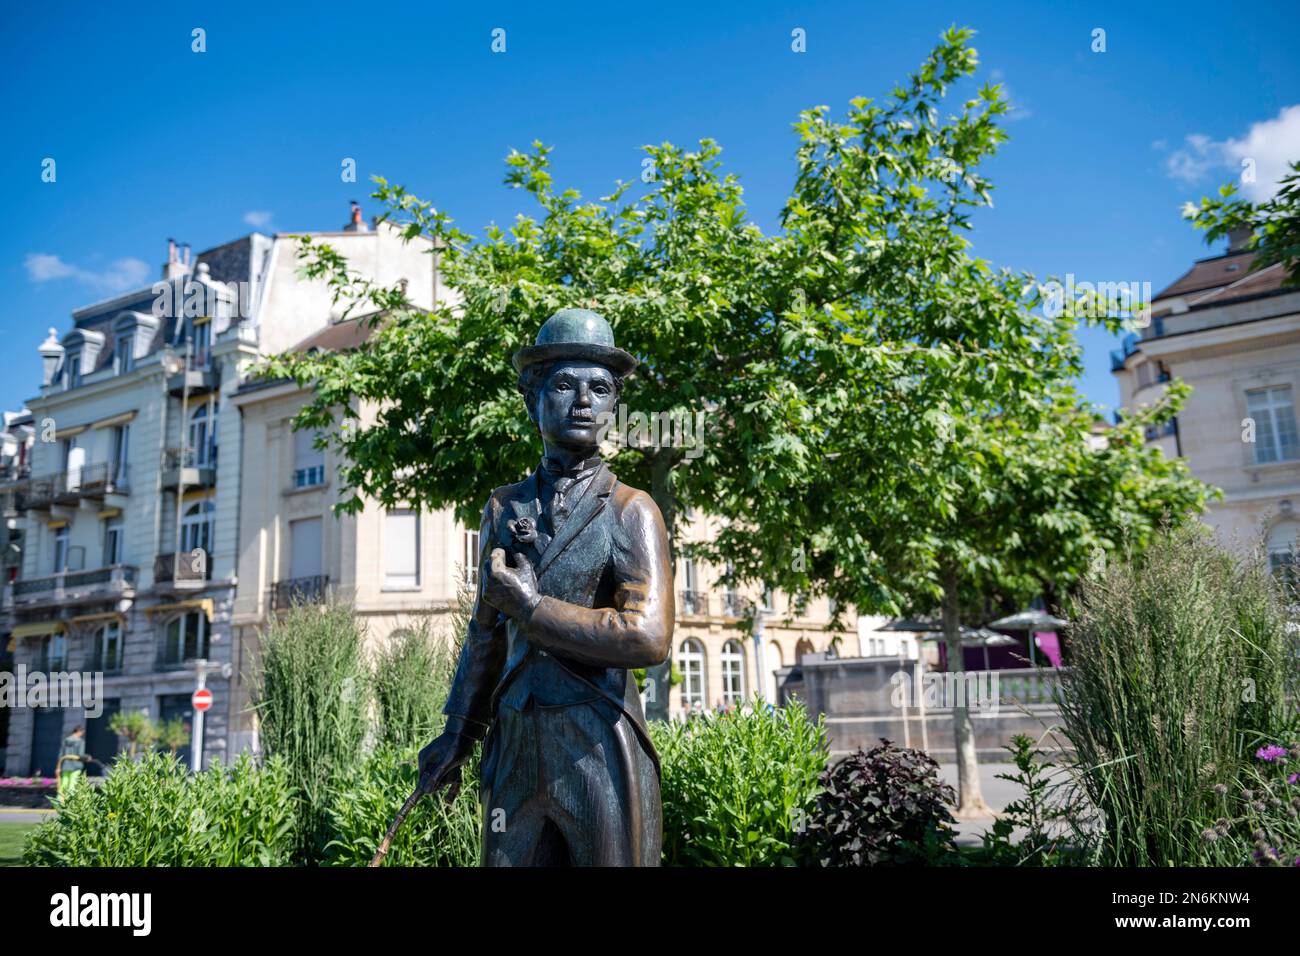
(440,764)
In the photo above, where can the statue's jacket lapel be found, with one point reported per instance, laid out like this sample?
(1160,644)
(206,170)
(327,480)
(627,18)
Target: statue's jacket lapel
(575,566)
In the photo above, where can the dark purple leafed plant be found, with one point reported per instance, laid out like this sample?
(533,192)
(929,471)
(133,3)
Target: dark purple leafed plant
(883,807)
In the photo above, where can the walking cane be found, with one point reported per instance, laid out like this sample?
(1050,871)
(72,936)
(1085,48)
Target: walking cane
(453,788)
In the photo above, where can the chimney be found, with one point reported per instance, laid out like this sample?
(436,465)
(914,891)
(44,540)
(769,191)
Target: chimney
(51,355)
(357,224)
(1239,237)
(174,267)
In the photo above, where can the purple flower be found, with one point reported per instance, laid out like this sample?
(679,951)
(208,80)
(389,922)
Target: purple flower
(1294,778)
(1270,753)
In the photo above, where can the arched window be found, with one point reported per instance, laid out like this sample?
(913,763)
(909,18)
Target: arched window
(804,646)
(690,661)
(186,638)
(733,673)
(196,527)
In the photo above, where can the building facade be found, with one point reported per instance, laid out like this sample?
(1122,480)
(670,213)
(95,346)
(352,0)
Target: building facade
(1234,336)
(130,514)
(165,511)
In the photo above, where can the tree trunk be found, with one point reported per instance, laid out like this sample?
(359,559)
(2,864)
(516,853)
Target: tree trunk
(970,803)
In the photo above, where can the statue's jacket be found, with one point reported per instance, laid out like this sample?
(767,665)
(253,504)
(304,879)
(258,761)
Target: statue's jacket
(606,585)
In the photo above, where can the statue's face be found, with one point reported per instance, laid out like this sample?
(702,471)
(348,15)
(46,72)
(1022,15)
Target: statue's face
(573,403)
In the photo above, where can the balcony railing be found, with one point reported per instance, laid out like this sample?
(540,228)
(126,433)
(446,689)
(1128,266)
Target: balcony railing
(89,481)
(309,590)
(197,377)
(693,602)
(179,568)
(172,655)
(70,587)
(1030,686)
(186,466)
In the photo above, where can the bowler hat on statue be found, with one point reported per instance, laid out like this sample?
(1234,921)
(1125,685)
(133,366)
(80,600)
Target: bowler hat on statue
(576,334)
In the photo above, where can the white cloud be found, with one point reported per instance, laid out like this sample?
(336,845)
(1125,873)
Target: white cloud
(257,218)
(121,274)
(1018,110)
(1269,144)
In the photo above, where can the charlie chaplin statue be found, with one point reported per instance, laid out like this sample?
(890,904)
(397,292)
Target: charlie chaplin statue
(575,589)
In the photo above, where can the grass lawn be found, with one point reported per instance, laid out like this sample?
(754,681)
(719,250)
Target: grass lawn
(11,842)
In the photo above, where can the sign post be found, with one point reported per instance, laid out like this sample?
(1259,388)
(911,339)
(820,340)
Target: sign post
(201,700)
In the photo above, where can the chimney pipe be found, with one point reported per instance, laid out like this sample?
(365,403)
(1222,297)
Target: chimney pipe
(1239,237)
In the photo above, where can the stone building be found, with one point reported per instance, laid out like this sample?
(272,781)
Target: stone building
(167,510)
(1234,335)
(131,511)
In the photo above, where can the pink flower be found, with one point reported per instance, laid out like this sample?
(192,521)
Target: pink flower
(1270,753)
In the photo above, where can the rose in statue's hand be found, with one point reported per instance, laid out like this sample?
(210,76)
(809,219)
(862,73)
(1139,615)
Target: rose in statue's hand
(511,590)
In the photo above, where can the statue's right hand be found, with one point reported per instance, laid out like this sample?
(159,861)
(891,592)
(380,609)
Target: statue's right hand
(441,759)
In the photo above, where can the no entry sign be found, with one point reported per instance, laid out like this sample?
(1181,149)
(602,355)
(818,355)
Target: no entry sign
(201,699)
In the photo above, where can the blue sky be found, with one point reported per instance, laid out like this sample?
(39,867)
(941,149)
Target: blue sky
(153,140)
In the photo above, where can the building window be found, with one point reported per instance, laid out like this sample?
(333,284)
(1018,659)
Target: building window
(73,377)
(203,436)
(1275,431)
(108,647)
(690,661)
(196,527)
(733,673)
(1283,552)
(60,549)
(54,653)
(306,548)
(186,638)
(469,558)
(769,604)
(402,549)
(123,357)
(202,351)
(121,449)
(113,533)
(308,461)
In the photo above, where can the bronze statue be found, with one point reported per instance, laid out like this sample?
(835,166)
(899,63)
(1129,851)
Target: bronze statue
(575,589)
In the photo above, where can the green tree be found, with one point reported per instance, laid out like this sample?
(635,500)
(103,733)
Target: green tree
(758,336)
(1274,224)
(823,359)
(1017,506)
(174,735)
(137,728)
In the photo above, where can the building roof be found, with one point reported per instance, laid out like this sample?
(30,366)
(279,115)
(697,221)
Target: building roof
(1226,278)
(340,336)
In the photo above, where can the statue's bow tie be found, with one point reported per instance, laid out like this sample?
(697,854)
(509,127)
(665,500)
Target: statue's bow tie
(554,470)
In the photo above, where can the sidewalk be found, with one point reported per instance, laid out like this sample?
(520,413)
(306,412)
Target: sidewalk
(997,794)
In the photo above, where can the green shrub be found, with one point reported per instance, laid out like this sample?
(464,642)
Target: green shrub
(737,787)
(312,699)
(1044,815)
(435,833)
(882,807)
(1180,661)
(413,671)
(152,812)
